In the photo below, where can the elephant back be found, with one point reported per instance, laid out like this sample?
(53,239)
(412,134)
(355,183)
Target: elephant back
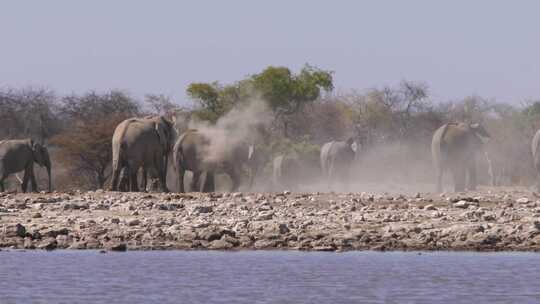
(135,140)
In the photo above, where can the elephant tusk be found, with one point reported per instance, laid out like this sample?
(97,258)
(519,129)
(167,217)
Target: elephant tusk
(18,178)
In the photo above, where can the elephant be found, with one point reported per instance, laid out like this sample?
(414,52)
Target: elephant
(20,154)
(191,154)
(535,153)
(180,123)
(454,146)
(337,158)
(142,143)
(123,180)
(286,171)
(152,176)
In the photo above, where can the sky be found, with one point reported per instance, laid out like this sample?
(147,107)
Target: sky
(458,48)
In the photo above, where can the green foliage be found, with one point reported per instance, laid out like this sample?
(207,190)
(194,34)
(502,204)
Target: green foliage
(533,109)
(287,93)
(207,95)
(284,91)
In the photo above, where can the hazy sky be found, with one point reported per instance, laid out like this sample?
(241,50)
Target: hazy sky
(459,48)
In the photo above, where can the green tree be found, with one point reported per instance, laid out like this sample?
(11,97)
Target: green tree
(285,92)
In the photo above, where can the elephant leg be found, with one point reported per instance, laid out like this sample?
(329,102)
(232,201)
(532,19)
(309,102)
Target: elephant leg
(24,184)
(133,180)
(235,177)
(115,176)
(161,172)
(33,184)
(202,181)
(195,181)
(162,181)
(2,178)
(459,176)
(165,167)
(123,181)
(253,174)
(330,177)
(144,179)
(210,185)
(471,168)
(440,174)
(181,173)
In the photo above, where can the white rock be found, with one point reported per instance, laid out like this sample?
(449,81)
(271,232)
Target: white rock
(523,200)
(462,204)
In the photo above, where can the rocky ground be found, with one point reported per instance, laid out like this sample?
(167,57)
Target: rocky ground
(491,219)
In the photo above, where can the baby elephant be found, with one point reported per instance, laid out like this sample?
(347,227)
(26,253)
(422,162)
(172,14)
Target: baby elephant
(20,154)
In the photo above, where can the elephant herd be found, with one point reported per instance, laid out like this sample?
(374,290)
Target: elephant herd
(147,145)
(144,143)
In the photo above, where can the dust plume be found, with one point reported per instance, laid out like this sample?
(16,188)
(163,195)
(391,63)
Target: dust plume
(236,128)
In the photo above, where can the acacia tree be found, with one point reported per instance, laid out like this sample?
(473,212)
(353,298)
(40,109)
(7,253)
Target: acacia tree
(90,122)
(286,93)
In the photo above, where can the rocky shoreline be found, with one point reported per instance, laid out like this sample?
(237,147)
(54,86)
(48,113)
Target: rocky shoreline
(489,220)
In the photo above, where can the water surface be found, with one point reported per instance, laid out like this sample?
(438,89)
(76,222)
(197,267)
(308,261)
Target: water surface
(268,277)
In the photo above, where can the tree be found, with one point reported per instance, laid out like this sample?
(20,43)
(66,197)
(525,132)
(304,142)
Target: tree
(207,95)
(284,92)
(28,112)
(160,104)
(92,118)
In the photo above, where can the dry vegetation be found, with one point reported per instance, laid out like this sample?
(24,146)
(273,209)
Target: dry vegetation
(393,125)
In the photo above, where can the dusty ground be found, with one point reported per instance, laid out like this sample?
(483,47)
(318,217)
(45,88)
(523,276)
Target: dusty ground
(491,219)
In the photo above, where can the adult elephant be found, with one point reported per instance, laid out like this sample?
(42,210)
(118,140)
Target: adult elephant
(454,146)
(192,152)
(337,158)
(180,122)
(142,143)
(20,154)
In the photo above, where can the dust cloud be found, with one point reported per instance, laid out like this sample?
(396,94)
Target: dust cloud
(233,130)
